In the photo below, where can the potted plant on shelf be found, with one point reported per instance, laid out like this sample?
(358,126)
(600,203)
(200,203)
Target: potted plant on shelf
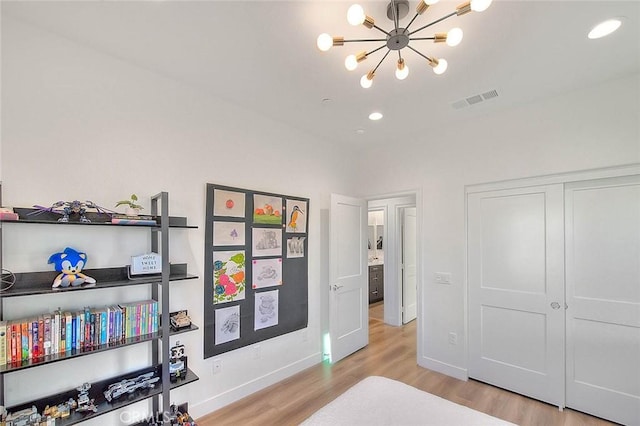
(133,208)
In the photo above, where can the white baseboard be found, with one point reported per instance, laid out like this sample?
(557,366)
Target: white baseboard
(444,368)
(232,395)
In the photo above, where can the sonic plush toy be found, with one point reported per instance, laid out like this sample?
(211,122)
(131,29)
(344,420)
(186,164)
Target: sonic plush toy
(70,262)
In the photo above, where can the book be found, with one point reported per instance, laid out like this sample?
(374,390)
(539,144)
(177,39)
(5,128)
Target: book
(40,336)
(133,220)
(63,333)
(47,334)
(16,344)
(7,213)
(69,331)
(24,334)
(3,342)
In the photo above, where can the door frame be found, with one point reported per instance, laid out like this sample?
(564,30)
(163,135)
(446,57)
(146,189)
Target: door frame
(417,194)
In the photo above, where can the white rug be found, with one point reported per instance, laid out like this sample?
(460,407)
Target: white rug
(381,401)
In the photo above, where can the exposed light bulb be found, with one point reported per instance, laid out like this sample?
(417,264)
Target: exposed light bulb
(355,15)
(402,70)
(366,82)
(441,67)
(604,28)
(375,116)
(431,2)
(324,42)
(454,37)
(351,63)
(480,5)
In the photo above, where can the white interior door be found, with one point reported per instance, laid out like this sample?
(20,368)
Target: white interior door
(602,228)
(409,285)
(516,290)
(348,295)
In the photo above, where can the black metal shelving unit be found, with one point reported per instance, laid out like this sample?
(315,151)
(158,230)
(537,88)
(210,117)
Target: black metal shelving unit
(39,283)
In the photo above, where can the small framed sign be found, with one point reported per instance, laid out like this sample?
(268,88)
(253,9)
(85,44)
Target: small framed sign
(150,263)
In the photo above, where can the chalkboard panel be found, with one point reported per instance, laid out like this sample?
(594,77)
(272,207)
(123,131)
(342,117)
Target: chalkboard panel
(256,267)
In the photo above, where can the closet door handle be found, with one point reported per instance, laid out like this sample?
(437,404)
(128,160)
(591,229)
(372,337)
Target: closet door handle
(555,305)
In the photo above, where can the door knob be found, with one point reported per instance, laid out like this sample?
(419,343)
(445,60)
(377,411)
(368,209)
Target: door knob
(337,286)
(555,305)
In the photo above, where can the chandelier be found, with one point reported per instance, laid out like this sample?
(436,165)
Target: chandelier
(399,37)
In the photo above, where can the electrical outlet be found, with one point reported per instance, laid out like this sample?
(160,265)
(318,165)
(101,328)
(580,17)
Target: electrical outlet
(453,338)
(217,366)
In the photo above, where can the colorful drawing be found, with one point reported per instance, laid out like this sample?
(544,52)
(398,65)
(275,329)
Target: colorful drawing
(267,273)
(266,309)
(296,216)
(267,242)
(228,233)
(228,276)
(227,324)
(228,203)
(267,209)
(295,247)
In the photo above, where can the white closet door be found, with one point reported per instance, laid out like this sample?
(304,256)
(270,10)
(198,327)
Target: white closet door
(516,290)
(603,294)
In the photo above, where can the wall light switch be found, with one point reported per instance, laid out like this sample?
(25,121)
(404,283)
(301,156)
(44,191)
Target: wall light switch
(443,277)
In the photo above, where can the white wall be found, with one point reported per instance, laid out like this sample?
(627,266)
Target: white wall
(78,124)
(590,128)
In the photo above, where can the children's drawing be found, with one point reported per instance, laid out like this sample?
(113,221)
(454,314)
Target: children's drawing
(267,242)
(295,247)
(267,209)
(296,216)
(266,309)
(228,276)
(227,324)
(267,273)
(228,203)
(228,233)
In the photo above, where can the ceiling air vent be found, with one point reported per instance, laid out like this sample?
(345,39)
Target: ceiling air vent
(475,99)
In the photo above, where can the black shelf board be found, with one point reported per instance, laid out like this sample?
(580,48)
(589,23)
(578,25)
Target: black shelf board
(192,327)
(27,215)
(101,403)
(9,368)
(12,367)
(33,283)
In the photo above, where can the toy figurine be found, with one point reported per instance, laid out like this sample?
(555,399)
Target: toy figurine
(70,208)
(143,381)
(84,403)
(70,262)
(177,363)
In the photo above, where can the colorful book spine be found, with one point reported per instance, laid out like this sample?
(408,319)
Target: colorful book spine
(16,353)
(63,333)
(30,332)
(81,330)
(55,332)
(25,340)
(40,336)
(69,334)
(35,338)
(3,342)
(104,326)
(47,334)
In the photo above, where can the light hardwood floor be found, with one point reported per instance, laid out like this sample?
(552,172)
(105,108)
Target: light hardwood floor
(391,353)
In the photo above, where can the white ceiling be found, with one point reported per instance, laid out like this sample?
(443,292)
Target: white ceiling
(262,55)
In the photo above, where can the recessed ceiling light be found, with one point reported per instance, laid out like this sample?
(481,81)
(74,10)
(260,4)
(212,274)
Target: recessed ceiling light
(360,131)
(375,116)
(604,28)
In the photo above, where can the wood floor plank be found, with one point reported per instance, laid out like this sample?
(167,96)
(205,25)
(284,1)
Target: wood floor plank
(391,353)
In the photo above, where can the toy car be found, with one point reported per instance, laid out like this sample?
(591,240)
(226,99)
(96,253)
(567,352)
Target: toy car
(143,381)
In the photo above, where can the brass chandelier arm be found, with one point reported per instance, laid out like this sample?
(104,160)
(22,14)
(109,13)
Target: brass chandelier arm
(422,38)
(364,39)
(380,29)
(411,21)
(424,56)
(381,60)
(434,22)
(376,49)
